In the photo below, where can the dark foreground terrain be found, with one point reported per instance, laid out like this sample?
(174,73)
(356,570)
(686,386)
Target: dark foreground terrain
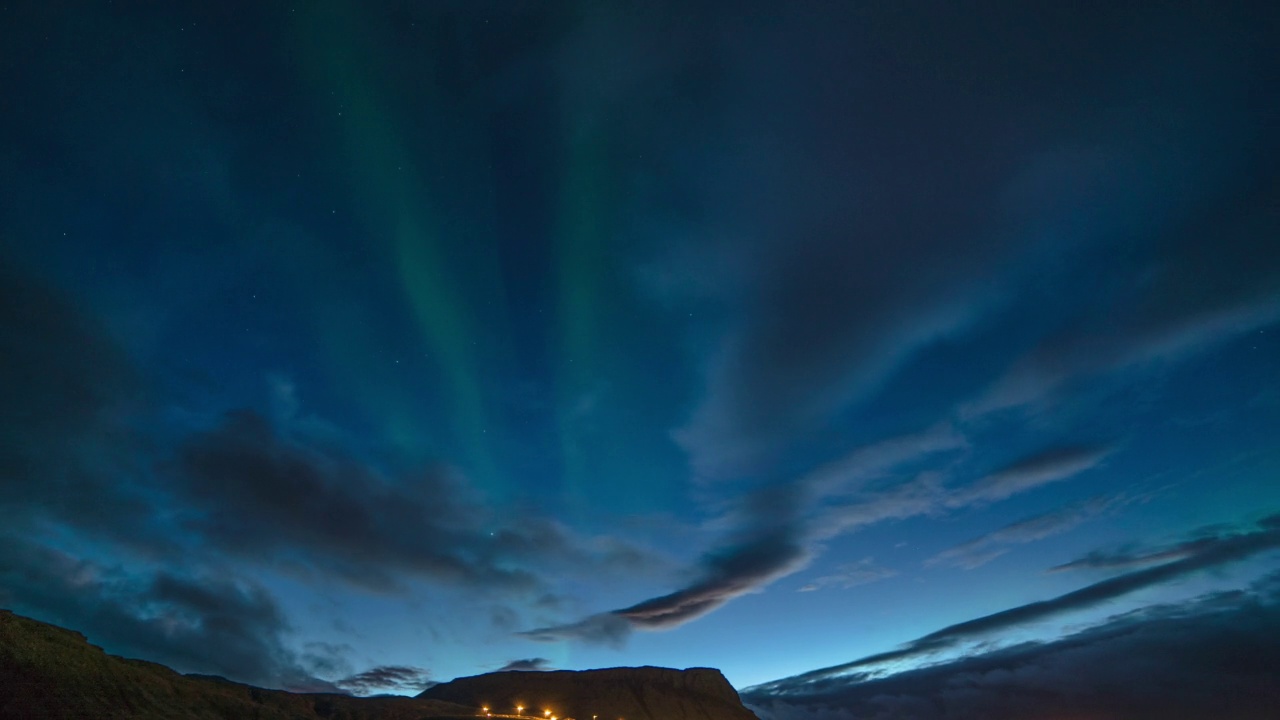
(644,693)
(50,672)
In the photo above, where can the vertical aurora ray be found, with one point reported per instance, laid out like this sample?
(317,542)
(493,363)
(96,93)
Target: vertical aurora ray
(580,237)
(606,335)
(397,204)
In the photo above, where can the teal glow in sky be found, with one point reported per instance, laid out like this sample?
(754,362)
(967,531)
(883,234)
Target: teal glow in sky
(386,342)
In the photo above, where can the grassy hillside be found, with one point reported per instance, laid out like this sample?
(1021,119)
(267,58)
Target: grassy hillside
(49,672)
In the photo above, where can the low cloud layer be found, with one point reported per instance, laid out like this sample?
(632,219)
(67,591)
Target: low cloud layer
(1203,660)
(1225,548)
(526,665)
(398,679)
(194,623)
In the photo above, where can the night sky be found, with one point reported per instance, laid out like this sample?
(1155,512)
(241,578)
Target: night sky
(360,344)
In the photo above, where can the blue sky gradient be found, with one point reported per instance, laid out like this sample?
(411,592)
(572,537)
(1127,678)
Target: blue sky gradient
(359,343)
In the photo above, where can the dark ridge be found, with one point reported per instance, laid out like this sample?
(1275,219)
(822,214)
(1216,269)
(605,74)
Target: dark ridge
(643,693)
(50,672)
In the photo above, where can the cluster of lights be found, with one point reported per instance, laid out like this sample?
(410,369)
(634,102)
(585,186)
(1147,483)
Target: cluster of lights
(520,713)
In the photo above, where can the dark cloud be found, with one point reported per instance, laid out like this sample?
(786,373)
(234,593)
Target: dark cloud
(245,490)
(212,624)
(260,495)
(70,466)
(530,665)
(66,450)
(1203,660)
(602,629)
(1225,548)
(1129,559)
(327,659)
(728,574)
(253,492)
(982,550)
(386,678)
(724,575)
(767,545)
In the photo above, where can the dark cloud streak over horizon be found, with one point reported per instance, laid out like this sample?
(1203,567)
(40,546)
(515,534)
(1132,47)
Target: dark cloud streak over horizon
(1146,665)
(1221,550)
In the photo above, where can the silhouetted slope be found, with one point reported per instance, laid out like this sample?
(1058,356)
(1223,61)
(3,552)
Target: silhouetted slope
(644,693)
(49,672)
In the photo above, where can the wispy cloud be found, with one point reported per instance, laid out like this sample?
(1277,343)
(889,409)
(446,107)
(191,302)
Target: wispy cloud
(777,534)
(984,549)
(1196,295)
(767,544)
(929,493)
(1046,467)
(852,471)
(601,629)
(851,575)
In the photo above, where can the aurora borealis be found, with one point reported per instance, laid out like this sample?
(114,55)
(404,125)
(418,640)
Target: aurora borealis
(851,348)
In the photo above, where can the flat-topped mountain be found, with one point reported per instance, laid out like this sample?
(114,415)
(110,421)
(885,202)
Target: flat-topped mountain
(643,693)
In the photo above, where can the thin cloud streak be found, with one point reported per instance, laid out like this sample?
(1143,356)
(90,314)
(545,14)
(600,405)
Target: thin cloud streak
(928,493)
(1046,467)
(982,550)
(851,575)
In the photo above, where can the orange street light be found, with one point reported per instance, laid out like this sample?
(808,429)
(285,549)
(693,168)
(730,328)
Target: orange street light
(546,713)
(519,709)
